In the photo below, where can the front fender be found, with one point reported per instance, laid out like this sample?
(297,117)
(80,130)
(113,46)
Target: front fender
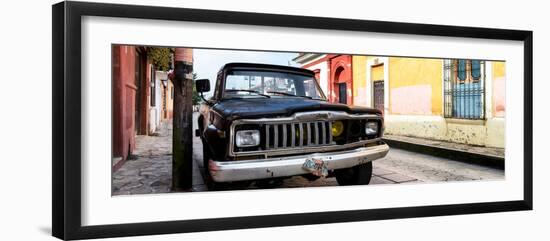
(216,141)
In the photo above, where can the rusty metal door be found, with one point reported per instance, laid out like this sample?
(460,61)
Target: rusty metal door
(378,95)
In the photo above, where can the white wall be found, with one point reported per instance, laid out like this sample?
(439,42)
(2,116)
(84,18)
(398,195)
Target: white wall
(156,111)
(26,203)
(323,75)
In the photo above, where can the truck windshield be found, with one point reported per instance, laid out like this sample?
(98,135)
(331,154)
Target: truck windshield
(262,84)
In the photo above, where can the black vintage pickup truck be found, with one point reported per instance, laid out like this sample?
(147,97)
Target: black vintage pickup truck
(268,122)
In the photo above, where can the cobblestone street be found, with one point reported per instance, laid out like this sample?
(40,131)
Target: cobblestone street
(149,171)
(401,166)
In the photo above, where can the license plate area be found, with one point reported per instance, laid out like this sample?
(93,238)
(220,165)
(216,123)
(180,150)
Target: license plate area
(316,166)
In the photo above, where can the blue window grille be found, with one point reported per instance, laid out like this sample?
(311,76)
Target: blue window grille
(464,89)
(461,69)
(476,69)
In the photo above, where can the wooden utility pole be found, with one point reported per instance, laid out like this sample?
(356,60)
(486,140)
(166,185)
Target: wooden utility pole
(182,142)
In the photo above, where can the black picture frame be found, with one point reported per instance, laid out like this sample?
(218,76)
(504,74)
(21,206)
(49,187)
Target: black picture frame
(66,127)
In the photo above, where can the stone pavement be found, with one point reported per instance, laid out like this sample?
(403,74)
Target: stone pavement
(151,168)
(401,166)
(426,168)
(498,152)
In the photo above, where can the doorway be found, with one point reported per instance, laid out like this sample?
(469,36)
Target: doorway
(378,94)
(342,95)
(139,79)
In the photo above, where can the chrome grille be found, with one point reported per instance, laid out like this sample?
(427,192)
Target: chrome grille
(301,134)
(292,134)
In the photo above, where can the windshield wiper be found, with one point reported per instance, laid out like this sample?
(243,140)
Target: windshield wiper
(288,94)
(249,91)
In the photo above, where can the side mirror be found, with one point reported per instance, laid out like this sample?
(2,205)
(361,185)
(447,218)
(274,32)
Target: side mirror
(202,85)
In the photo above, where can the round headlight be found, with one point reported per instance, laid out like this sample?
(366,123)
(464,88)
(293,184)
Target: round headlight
(371,128)
(337,128)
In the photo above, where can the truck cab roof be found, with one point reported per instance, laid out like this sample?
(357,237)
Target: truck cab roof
(266,67)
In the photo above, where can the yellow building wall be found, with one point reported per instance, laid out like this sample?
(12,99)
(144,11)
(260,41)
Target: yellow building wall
(359,64)
(415,89)
(377,72)
(415,79)
(499,69)
(499,89)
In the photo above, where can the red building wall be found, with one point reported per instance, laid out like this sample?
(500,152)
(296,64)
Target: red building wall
(123,100)
(340,71)
(145,94)
(131,77)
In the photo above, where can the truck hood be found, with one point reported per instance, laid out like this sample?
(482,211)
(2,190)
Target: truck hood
(280,106)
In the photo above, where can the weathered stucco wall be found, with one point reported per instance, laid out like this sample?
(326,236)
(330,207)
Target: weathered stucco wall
(483,133)
(124,92)
(499,90)
(377,72)
(468,132)
(340,72)
(432,127)
(415,74)
(360,80)
(416,101)
(496,132)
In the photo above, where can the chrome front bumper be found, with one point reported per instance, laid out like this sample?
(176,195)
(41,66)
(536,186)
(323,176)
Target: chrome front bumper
(229,171)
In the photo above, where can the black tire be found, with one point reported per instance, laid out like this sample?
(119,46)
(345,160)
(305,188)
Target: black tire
(357,175)
(205,158)
(210,183)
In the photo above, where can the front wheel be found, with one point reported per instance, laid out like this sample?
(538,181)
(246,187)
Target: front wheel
(218,186)
(210,183)
(357,175)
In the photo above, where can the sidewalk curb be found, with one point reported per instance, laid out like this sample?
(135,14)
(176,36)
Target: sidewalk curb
(457,155)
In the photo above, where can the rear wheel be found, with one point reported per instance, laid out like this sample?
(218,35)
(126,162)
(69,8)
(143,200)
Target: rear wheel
(357,175)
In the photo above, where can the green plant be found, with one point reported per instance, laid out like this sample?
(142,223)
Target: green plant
(160,57)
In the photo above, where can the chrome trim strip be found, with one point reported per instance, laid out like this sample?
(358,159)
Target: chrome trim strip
(330,132)
(301,136)
(316,124)
(323,129)
(267,137)
(308,126)
(284,135)
(294,150)
(275,136)
(292,135)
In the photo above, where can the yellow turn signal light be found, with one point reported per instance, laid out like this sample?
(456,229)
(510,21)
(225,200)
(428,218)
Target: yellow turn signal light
(337,128)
